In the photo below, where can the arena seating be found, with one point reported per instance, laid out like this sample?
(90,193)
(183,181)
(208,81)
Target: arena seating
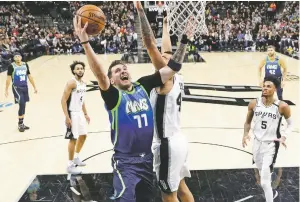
(42,27)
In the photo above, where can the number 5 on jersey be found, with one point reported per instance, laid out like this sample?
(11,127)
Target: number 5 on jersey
(264,125)
(139,119)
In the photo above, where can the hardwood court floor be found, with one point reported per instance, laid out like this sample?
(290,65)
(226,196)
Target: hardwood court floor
(213,114)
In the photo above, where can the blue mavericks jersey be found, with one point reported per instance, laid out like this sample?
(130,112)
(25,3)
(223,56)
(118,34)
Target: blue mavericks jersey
(132,122)
(272,68)
(19,76)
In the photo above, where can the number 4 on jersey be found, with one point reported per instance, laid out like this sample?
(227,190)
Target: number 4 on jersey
(179,101)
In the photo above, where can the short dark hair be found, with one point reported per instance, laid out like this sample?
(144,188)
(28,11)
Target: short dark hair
(273,79)
(114,63)
(72,66)
(271,46)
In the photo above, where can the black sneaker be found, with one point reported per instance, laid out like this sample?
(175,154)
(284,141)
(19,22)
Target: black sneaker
(26,127)
(21,127)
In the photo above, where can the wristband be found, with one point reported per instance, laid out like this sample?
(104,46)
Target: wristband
(174,65)
(85,42)
(184,39)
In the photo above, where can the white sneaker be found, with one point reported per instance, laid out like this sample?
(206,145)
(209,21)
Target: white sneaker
(73,170)
(78,162)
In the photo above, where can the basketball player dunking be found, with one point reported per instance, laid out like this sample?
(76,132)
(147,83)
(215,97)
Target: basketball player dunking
(131,118)
(267,114)
(73,106)
(274,66)
(170,147)
(18,72)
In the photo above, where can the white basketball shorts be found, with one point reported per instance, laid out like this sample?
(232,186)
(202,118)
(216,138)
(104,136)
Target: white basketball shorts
(78,124)
(170,162)
(265,154)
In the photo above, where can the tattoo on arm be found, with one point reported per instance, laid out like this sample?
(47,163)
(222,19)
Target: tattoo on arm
(147,32)
(180,53)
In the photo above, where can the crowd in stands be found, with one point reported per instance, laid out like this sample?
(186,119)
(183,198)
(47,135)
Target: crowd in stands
(233,26)
(20,32)
(251,26)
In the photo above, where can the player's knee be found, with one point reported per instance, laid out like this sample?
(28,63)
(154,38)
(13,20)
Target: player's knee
(82,137)
(169,197)
(183,190)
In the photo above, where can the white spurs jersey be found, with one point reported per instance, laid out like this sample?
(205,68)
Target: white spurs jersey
(76,98)
(166,109)
(266,121)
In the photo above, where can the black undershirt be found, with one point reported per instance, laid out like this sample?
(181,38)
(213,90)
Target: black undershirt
(10,70)
(111,95)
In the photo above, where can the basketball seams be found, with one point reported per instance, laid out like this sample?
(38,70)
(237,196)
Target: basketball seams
(101,12)
(94,15)
(91,10)
(91,19)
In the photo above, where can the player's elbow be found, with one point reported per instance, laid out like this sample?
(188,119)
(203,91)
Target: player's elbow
(247,125)
(103,83)
(63,101)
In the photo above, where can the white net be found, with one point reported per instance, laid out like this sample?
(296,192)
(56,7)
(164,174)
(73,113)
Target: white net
(180,12)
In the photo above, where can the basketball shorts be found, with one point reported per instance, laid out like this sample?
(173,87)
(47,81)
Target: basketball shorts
(170,162)
(78,126)
(265,154)
(133,178)
(20,94)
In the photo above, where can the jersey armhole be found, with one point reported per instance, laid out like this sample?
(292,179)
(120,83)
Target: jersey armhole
(118,103)
(278,62)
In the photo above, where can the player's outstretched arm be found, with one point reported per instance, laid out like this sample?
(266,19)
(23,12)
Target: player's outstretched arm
(149,39)
(175,63)
(95,65)
(247,125)
(166,45)
(164,74)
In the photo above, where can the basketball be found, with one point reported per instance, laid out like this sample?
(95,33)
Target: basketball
(95,18)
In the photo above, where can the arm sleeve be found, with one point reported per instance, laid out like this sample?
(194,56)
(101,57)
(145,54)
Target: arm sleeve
(110,97)
(10,70)
(28,71)
(151,81)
